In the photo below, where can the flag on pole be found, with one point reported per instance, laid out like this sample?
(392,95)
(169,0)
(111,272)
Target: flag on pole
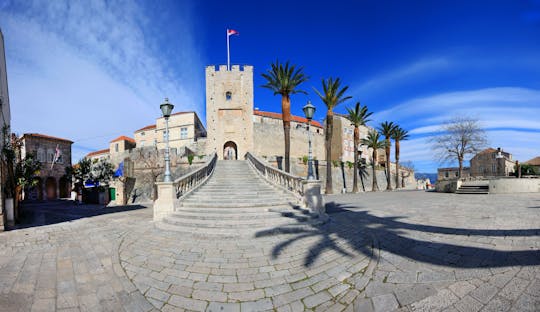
(230,32)
(57,155)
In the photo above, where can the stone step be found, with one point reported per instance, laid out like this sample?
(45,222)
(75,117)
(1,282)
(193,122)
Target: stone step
(231,205)
(238,216)
(238,223)
(212,233)
(233,197)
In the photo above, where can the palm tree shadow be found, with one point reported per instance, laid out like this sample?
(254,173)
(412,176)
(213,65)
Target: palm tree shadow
(358,227)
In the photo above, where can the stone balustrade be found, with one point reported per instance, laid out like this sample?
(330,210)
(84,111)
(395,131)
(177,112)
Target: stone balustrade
(169,192)
(307,192)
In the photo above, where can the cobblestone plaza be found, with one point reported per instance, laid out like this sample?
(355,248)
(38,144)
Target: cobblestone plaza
(407,251)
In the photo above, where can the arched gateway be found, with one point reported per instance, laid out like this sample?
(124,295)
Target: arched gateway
(230,151)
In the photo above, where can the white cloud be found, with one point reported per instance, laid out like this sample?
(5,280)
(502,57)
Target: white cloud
(91,71)
(400,75)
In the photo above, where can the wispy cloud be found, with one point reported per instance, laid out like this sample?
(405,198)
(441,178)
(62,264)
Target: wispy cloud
(400,75)
(509,115)
(89,71)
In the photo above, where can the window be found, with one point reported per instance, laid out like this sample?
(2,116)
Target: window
(456,173)
(142,133)
(50,156)
(183,133)
(142,143)
(494,168)
(228,95)
(41,155)
(155,142)
(116,147)
(446,174)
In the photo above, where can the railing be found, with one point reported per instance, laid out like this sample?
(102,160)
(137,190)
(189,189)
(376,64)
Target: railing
(189,182)
(278,177)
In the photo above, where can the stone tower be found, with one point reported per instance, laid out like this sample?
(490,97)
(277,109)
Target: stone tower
(229,111)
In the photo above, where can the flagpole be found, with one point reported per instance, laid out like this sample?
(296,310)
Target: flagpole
(228,52)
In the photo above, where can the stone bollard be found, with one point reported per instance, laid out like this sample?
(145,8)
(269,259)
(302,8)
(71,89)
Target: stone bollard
(164,205)
(313,198)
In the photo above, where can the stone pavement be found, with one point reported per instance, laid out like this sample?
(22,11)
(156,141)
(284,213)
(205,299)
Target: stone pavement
(408,251)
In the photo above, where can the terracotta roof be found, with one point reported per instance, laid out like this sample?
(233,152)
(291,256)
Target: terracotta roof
(103,151)
(180,113)
(294,118)
(43,136)
(487,150)
(149,127)
(533,162)
(123,138)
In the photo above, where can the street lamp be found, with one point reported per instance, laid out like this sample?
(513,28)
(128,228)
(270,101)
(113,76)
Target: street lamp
(166,109)
(309,110)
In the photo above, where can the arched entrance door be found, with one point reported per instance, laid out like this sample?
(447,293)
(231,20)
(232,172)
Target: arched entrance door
(230,151)
(50,187)
(63,187)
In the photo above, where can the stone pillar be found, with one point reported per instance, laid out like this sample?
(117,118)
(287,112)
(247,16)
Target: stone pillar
(164,205)
(313,198)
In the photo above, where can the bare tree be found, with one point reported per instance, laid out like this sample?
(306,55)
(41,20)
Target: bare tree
(460,136)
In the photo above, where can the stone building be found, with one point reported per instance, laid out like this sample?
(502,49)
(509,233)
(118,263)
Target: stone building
(492,163)
(343,141)
(229,111)
(535,163)
(452,173)
(54,155)
(5,122)
(121,144)
(97,155)
(269,141)
(185,129)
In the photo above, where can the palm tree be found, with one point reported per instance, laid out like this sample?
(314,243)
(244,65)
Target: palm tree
(373,141)
(331,96)
(398,135)
(284,80)
(387,128)
(358,117)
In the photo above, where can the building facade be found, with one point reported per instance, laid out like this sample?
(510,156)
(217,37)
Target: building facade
(229,111)
(185,128)
(452,173)
(54,154)
(492,163)
(343,141)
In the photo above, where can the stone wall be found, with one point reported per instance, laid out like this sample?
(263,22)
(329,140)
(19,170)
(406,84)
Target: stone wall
(514,185)
(269,142)
(148,167)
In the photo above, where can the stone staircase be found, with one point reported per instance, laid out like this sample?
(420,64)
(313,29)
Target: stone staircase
(477,187)
(235,202)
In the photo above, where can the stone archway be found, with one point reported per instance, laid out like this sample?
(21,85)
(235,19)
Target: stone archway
(50,188)
(230,151)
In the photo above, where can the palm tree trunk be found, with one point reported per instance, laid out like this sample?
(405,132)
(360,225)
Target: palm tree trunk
(355,172)
(374,186)
(388,172)
(397,164)
(286,116)
(328,145)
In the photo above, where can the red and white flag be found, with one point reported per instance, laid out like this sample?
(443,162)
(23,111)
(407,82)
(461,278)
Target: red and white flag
(57,155)
(231,32)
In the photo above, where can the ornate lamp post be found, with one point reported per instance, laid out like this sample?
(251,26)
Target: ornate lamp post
(166,109)
(309,110)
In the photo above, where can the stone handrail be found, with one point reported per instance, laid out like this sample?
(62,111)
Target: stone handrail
(189,182)
(276,176)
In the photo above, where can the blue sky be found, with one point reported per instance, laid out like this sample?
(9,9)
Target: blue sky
(93,70)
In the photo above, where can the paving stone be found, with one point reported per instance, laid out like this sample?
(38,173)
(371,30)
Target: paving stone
(514,289)
(259,305)
(443,299)
(223,307)
(468,304)
(292,296)
(484,293)
(462,288)
(384,303)
(498,304)
(408,294)
(248,295)
(527,303)
(188,303)
(316,299)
